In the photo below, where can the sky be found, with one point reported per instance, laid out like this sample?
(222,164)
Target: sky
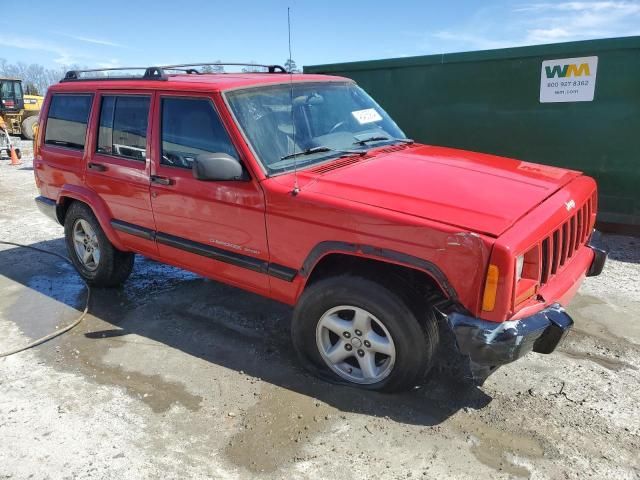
(141,33)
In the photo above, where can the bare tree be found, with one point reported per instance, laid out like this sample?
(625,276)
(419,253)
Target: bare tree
(213,68)
(290,66)
(31,89)
(34,76)
(218,68)
(252,68)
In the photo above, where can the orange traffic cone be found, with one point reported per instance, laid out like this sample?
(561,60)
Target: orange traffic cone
(15,156)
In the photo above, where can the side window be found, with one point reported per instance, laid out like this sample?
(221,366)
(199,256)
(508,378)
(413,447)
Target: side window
(67,120)
(190,127)
(123,126)
(18,89)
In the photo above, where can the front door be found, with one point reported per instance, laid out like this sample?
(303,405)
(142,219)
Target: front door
(118,167)
(214,228)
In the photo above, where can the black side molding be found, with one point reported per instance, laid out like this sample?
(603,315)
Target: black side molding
(239,260)
(132,229)
(215,253)
(283,273)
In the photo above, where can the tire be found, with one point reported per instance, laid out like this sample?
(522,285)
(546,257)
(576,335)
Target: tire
(106,266)
(27,127)
(410,345)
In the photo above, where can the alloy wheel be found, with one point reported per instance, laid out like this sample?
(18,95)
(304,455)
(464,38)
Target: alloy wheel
(86,245)
(355,344)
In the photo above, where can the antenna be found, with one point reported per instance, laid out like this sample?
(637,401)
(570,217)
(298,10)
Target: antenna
(296,188)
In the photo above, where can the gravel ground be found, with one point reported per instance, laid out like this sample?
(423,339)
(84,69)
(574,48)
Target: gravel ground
(178,376)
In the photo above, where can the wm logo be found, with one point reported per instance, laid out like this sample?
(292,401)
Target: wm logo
(570,70)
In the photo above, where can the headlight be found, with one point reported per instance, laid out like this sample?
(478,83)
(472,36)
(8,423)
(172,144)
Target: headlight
(519,267)
(527,275)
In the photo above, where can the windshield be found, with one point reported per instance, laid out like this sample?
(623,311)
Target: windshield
(340,117)
(10,90)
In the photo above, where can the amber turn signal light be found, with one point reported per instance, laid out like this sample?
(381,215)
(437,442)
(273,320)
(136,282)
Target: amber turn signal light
(490,288)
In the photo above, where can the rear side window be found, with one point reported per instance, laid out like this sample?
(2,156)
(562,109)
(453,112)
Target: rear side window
(67,120)
(190,127)
(123,126)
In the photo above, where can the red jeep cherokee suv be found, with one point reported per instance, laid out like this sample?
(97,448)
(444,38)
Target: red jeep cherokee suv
(302,189)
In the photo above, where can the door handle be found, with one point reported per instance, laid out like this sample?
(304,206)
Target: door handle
(161,180)
(98,167)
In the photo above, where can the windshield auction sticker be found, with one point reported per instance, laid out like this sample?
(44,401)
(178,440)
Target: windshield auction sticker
(568,80)
(368,115)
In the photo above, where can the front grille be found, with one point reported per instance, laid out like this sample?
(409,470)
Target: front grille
(560,246)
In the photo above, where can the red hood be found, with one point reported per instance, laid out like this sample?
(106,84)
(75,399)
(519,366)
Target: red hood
(477,192)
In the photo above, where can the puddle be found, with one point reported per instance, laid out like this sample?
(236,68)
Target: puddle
(497,448)
(150,278)
(155,391)
(48,302)
(65,287)
(55,297)
(276,428)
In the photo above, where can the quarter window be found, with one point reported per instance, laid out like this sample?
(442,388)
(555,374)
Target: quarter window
(67,120)
(190,127)
(123,126)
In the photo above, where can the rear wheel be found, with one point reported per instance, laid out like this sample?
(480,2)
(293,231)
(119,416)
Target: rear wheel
(95,258)
(360,332)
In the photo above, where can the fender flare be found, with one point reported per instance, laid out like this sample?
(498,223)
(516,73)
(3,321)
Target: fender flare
(323,249)
(96,204)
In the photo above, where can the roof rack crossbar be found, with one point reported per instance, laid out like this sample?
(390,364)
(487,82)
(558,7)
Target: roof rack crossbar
(150,73)
(159,73)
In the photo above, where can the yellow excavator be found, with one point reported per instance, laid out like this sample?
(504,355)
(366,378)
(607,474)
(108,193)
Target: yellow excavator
(19,112)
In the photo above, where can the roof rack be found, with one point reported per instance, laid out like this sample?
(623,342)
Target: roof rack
(270,68)
(158,73)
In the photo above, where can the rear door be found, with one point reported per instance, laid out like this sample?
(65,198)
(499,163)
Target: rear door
(215,228)
(63,149)
(118,166)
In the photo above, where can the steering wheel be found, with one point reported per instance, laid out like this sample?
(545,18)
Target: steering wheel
(175,160)
(337,126)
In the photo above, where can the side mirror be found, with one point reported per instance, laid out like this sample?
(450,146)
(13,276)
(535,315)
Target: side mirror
(217,166)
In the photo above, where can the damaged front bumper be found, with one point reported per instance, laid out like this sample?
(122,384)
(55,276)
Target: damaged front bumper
(485,345)
(488,345)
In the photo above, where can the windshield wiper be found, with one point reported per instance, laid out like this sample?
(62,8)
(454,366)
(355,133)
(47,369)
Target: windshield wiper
(379,138)
(312,150)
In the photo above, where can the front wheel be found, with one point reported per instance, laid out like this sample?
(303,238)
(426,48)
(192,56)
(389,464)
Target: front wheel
(360,332)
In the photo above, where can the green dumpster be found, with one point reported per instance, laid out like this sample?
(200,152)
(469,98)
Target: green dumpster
(530,103)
